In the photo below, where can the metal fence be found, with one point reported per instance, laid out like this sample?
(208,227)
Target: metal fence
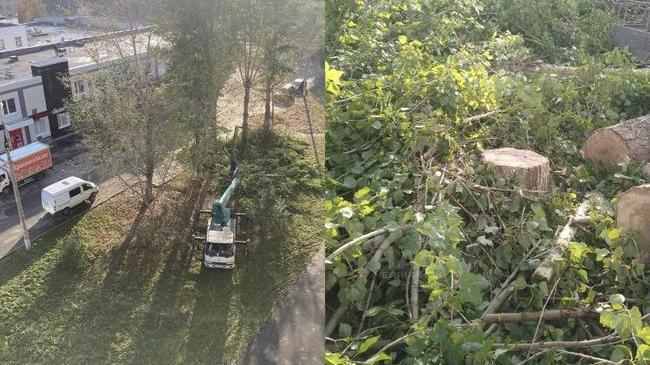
(632,13)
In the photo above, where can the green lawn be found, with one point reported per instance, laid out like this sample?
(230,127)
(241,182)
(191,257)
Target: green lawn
(78,297)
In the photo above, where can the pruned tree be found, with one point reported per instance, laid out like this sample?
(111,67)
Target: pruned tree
(252,33)
(126,119)
(201,38)
(277,64)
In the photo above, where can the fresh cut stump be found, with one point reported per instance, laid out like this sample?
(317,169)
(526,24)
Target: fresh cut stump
(532,167)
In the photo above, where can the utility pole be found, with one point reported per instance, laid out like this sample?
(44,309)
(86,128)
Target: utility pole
(311,130)
(14,184)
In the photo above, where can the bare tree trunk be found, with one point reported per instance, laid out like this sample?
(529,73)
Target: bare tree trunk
(149,164)
(247,98)
(267,107)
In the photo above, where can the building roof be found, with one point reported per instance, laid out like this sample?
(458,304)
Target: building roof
(81,55)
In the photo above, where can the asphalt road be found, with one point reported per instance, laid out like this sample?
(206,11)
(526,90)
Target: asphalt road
(293,333)
(68,160)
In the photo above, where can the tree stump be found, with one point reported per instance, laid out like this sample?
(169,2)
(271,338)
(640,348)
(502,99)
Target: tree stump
(532,168)
(633,215)
(628,140)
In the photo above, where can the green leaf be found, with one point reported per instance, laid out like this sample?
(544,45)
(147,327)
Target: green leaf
(644,334)
(367,344)
(362,192)
(349,182)
(422,258)
(345,330)
(336,359)
(402,39)
(614,234)
(377,358)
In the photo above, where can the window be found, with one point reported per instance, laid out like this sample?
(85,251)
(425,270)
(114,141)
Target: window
(74,192)
(41,128)
(63,120)
(86,187)
(9,106)
(19,42)
(79,87)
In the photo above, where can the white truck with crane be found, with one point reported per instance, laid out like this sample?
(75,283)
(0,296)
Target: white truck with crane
(220,244)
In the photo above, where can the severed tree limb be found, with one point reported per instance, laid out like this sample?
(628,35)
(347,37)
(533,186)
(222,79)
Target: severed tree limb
(355,241)
(481,116)
(334,320)
(415,292)
(548,315)
(562,344)
(545,270)
(588,357)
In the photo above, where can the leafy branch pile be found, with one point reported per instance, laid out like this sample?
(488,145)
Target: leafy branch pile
(424,242)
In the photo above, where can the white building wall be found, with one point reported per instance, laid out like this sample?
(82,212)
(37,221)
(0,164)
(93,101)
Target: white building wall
(9,36)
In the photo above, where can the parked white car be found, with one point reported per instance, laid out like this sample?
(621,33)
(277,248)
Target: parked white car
(68,193)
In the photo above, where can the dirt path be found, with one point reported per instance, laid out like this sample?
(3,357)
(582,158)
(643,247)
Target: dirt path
(293,333)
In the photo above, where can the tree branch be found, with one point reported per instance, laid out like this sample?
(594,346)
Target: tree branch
(562,344)
(545,270)
(548,315)
(355,241)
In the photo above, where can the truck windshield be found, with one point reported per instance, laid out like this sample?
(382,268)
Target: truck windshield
(219,249)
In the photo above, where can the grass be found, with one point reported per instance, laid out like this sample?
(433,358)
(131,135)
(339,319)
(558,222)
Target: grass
(81,297)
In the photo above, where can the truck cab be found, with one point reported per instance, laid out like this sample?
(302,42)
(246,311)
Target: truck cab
(220,248)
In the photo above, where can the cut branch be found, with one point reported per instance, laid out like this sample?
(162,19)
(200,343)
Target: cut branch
(355,241)
(548,315)
(545,270)
(561,344)
(474,118)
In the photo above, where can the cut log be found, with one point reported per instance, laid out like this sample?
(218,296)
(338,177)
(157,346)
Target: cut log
(633,215)
(628,140)
(545,270)
(532,168)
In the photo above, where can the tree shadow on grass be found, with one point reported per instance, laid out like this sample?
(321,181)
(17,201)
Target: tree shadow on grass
(17,262)
(58,282)
(109,327)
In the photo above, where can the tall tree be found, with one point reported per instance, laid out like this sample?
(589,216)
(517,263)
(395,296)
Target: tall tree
(30,9)
(252,33)
(126,119)
(200,59)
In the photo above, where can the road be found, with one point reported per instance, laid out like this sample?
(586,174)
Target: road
(293,333)
(68,160)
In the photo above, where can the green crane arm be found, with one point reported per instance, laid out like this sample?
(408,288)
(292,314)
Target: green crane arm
(220,211)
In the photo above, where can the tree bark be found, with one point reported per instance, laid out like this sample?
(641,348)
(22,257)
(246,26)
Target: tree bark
(633,215)
(628,140)
(531,169)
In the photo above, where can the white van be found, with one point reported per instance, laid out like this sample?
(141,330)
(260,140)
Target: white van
(67,193)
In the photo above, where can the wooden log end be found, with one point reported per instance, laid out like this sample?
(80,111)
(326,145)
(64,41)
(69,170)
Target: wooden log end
(533,167)
(606,147)
(633,215)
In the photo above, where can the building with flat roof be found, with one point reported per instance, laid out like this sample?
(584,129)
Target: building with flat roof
(12,36)
(9,8)
(35,86)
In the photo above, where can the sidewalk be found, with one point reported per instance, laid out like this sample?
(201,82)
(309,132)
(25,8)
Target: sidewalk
(293,333)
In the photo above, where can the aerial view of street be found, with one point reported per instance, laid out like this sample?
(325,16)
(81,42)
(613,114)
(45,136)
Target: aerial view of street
(159,208)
